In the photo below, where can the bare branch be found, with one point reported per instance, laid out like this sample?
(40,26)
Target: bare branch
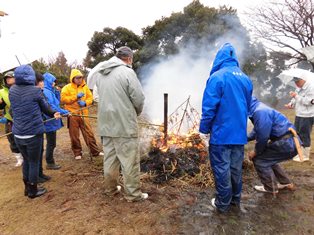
(285,24)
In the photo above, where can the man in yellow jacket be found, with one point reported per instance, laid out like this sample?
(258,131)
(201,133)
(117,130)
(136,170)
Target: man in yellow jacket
(76,96)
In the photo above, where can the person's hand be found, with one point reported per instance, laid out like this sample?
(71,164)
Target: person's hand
(1,101)
(80,95)
(81,103)
(64,112)
(288,106)
(293,94)
(3,120)
(57,115)
(251,155)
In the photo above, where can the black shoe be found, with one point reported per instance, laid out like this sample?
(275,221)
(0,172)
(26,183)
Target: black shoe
(25,187)
(33,191)
(43,178)
(52,166)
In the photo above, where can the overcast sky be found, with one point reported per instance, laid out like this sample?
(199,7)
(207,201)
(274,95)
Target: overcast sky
(43,28)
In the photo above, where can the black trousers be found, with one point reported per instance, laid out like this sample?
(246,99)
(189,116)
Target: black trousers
(8,129)
(304,126)
(51,138)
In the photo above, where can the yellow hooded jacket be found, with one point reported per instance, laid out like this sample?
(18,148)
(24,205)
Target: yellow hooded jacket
(70,91)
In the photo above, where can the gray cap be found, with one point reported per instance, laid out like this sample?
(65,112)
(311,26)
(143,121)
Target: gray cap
(9,74)
(124,52)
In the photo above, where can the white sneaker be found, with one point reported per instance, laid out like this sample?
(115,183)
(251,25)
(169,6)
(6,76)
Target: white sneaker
(286,186)
(297,159)
(144,196)
(213,203)
(79,157)
(261,188)
(101,154)
(119,188)
(19,160)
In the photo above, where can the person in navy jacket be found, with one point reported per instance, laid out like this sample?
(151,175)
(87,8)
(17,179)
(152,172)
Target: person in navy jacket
(27,105)
(274,144)
(225,106)
(53,98)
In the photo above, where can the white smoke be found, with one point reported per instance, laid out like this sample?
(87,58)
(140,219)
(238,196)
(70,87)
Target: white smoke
(183,75)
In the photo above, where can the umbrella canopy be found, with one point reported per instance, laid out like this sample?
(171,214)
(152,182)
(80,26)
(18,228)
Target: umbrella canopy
(309,53)
(11,54)
(287,75)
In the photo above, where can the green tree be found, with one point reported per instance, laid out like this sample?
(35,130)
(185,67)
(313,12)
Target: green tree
(57,66)
(197,24)
(103,45)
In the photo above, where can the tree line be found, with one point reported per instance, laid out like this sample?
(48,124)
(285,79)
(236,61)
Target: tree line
(197,28)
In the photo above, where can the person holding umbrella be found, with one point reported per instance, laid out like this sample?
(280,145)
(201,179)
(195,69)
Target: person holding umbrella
(303,103)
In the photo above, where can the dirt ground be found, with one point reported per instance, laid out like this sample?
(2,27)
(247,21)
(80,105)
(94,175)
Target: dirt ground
(75,203)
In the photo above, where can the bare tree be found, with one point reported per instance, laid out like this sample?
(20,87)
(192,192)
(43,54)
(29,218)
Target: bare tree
(287,24)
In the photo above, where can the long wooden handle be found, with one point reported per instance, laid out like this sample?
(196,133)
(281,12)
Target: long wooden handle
(297,143)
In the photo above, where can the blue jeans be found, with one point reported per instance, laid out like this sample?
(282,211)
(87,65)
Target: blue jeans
(226,162)
(31,151)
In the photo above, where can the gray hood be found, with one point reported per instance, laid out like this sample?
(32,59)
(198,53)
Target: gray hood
(103,68)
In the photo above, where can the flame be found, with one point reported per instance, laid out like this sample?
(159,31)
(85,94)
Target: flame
(174,141)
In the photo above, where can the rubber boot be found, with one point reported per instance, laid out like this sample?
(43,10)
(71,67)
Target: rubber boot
(33,191)
(26,187)
(306,153)
(297,158)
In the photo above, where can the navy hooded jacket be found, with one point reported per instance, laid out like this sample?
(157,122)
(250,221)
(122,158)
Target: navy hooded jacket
(269,124)
(54,102)
(27,103)
(226,100)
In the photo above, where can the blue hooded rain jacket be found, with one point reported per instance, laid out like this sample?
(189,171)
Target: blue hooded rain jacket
(54,102)
(269,124)
(226,100)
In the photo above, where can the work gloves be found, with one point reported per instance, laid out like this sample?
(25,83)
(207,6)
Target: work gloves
(81,103)
(3,120)
(80,95)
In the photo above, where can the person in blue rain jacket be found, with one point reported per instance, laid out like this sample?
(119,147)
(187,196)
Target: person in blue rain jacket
(225,106)
(51,127)
(274,144)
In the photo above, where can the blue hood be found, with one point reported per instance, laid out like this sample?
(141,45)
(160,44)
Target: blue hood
(48,80)
(24,75)
(226,56)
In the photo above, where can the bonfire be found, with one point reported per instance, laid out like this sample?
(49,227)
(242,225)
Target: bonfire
(177,155)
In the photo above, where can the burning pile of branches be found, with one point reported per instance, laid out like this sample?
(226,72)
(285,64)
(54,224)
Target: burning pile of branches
(184,158)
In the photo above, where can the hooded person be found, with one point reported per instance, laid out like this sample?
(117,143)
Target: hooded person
(120,101)
(274,144)
(76,97)
(5,104)
(225,107)
(52,126)
(303,103)
(27,106)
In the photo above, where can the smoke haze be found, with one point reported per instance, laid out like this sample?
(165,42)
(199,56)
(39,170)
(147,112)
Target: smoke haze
(181,76)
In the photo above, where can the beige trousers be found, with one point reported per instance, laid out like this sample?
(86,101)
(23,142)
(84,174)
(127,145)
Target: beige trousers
(124,153)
